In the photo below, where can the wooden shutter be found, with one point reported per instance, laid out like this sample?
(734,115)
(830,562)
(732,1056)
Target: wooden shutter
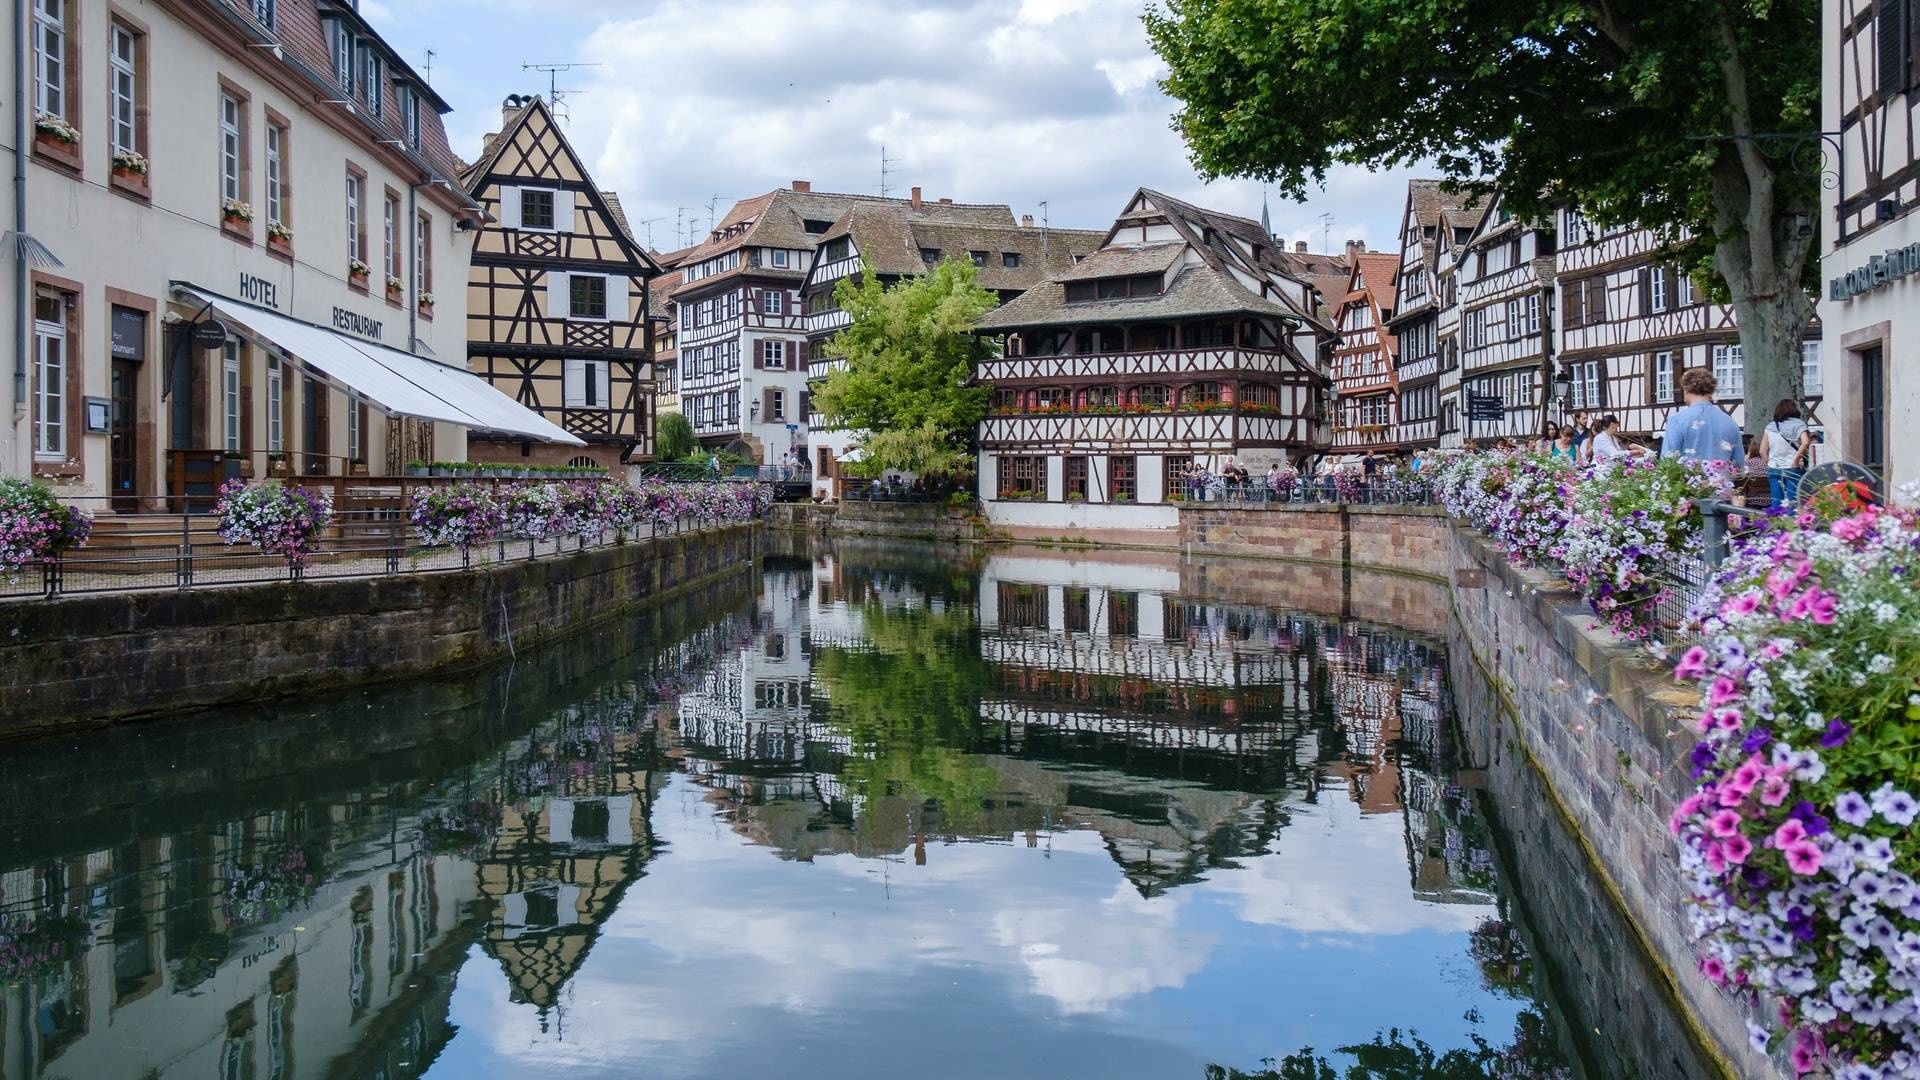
(510,207)
(766,404)
(1891,36)
(806,405)
(559,300)
(1646,289)
(619,299)
(573,379)
(1597,298)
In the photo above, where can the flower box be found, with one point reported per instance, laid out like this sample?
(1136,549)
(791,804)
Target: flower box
(280,245)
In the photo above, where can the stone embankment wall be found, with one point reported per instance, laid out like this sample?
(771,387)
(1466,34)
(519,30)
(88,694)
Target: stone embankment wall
(917,521)
(83,660)
(1406,539)
(1605,732)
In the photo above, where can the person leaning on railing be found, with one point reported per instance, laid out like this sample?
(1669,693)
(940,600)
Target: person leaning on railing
(1701,429)
(1786,445)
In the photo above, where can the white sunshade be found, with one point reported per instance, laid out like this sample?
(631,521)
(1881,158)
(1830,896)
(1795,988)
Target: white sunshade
(401,383)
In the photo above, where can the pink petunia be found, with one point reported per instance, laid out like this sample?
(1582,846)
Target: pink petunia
(1790,832)
(1737,848)
(1803,858)
(1713,969)
(1729,719)
(1750,772)
(1692,665)
(1773,790)
(1722,691)
(1705,723)
(1725,823)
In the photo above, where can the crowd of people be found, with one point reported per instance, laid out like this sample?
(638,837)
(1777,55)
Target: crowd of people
(1700,429)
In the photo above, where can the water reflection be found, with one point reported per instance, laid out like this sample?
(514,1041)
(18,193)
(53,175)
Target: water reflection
(888,814)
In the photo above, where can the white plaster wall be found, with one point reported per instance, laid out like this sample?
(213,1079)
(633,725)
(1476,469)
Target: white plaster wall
(1068,518)
(1895,309)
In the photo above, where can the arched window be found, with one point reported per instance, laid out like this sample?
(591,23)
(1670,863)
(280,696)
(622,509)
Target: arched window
(1100,398)
(1050,399)
(583,462)
(1259,396)
(1203,393)
(1006,401)
(1151,396)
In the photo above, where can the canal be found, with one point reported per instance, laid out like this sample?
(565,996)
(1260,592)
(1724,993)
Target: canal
(869,812)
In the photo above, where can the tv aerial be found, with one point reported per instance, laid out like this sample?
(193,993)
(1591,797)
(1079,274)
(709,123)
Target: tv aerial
(556,97)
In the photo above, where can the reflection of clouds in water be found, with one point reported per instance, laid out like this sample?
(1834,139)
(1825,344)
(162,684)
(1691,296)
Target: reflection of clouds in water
(1088,960)
(1334,871)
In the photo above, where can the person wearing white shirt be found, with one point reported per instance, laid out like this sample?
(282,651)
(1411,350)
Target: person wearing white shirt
(1606,441)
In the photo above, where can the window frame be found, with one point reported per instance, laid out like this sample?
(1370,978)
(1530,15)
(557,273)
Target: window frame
(230,400)
(390,236)
(276,404)
(552,197)
(50,408)
(1729,367)
(772,302)
(233,146)
(1665,383)
(54,26)
(372,88)
(356,194)
(574,297)
(1814,386)
(422,254)
(128,69)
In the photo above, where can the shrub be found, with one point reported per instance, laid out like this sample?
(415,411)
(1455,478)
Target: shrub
(36,527)
(280,519)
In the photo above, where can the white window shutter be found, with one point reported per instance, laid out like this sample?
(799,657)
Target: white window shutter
(510,207)
(618,300)
(559,300)
(574,382)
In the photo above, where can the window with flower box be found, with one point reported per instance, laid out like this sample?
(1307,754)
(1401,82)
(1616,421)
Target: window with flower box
(278,206)
(422,256)
(1050,399)
(390,235)
(1202,394)
(233,149)
(1122,482)
(126,89)
(1151,396)
(1100,398)
(1076,477)
(1022,477)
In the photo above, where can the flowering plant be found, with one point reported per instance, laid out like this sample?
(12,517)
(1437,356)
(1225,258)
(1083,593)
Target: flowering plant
(459,515)
(394,284)
(1346,485)
(356,268)
(32,947)
(531,512)
(1284,482)
(35,527)
(1628,520)
(280,519)
(584,508)
(1530,514)
(235,210)
(54,127)
(1798,843)
(426,299)
(279,231)
(132,161)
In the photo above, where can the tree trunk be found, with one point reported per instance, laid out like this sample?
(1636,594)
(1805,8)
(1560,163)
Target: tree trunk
(1774,310)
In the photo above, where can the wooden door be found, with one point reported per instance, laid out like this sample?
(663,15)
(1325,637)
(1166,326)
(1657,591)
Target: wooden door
(123,449)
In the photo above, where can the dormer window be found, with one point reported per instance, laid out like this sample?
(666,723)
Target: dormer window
(370,80)
(778,257)
(1010,259)
(410,113)
(979,257)
(264,11)
(930,256)
(1132,287)
(342,42)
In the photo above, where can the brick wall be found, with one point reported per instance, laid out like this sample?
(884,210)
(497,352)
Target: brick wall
(84,660)
(1407,539)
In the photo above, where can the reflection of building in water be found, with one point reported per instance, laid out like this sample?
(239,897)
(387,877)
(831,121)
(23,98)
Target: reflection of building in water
(267,946)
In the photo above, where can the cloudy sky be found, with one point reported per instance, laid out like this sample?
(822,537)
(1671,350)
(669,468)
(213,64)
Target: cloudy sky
(1013,101)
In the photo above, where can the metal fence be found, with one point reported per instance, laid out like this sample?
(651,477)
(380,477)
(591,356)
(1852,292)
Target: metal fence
(183,550)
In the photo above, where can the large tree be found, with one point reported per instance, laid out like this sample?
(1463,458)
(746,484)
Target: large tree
(1662,113)
(910,354)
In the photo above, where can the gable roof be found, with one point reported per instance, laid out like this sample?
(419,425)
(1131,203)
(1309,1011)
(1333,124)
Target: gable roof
(1430,205)
(778,218)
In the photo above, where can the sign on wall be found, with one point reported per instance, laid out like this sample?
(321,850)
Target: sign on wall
(1879,272)
(129,334)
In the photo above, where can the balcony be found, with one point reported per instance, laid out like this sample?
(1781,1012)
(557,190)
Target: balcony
(1224,360)
(1215,428)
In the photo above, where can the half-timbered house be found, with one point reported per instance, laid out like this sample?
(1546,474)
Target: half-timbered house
(1366,410)
(1425,227)
(894,242)
(1505,273)
(1455,231)
(666,340)
(1870,232)
(1631,321)
(1180,343)
(557,297)
(743,337)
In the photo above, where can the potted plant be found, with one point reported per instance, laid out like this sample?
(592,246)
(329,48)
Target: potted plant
(396,289)
(279,238)
(53,134)
(130,170)
(236,215)
(1076,497)
(357,466)
(417,467)
(426,303)
(277,463)
(357,273)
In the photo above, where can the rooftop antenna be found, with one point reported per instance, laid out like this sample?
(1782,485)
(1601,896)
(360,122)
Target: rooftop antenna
(648,222)
(1044,224)
(711,205)
(680,225)
(427,68)
(886,166)
(1326,234)
(556,97)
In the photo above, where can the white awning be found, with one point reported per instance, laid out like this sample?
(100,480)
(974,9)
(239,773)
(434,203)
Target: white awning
(400,383)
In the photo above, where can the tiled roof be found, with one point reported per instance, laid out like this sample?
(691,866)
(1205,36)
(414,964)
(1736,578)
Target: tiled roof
(1122,260)
(619,212)
(1196,291)
(778,218)
(1377,269)
(303,48)
(893,240)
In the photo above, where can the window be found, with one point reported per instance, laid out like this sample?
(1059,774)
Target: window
(49,375)
(123,91)
(342,53)
(1585,393)
(1730,370)
(1022,475)
(276,402)
(422,255)
(1202,393)
(410,113)
(355,406)
(773,354)
(930,256)
(370,88)
(1663,377)
(1121,478)
(1100,398)
(1658,289)
(776,404)
(1010,259)
(50,57)
(1076,476)
(586,384)
(232,127)
(276,174)
(778,258)
(390,233)
(1810,385)
(979,257)
(1154,395)
(536,209)
(770,301)
(264,12)
(230,396)
(353,217)
(587,294)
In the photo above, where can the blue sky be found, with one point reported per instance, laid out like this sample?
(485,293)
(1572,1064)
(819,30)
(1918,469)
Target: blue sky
(1014,101)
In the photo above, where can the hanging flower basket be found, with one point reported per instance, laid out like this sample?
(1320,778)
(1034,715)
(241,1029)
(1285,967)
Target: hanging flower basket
(36,527)
(278,518)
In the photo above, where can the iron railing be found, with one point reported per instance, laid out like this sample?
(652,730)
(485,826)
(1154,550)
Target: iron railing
(183,550)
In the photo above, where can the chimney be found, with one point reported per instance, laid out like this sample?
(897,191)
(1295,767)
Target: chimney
(1026,221)
(946,202)
(914,199)
(802,185)
(1300,247)
(1355,247)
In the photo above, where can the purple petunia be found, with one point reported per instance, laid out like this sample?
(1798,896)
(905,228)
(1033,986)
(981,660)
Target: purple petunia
(1852,808)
